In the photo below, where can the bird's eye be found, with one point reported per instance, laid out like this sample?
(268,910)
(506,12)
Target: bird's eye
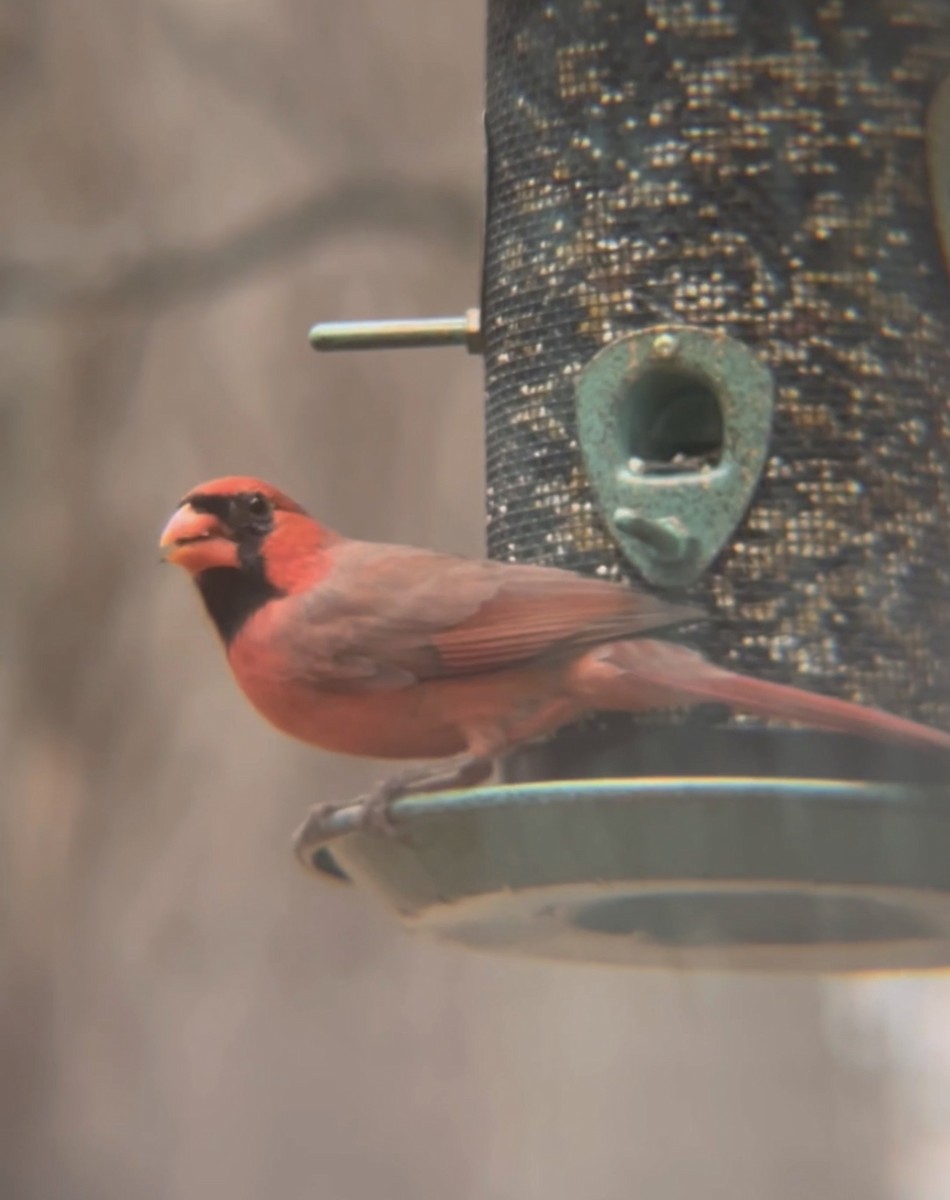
(257,506)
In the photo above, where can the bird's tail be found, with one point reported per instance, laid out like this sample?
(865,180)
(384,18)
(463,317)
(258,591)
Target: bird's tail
(639,675)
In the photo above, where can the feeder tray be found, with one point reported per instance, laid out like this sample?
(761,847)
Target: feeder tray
(714,873)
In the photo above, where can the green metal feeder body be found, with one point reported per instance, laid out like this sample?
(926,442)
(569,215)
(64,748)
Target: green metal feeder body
(716,328)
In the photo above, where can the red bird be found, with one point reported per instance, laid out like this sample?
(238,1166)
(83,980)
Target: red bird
(392,652)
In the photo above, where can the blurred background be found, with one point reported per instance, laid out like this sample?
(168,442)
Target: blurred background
(187,186)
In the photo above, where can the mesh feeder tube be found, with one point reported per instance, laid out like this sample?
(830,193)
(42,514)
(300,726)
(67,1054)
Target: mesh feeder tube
(754,177)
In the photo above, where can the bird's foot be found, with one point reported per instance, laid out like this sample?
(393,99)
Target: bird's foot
(375,808)
(314,832)
(318,827)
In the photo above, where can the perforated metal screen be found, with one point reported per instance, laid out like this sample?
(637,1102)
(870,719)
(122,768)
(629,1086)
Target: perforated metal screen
(756,168)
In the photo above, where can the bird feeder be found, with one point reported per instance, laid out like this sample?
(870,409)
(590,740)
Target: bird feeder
(716,329)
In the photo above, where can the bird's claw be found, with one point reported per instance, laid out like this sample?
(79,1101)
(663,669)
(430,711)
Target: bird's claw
(313,833)
(374,816)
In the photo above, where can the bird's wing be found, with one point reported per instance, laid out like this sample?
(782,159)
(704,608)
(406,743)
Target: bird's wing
(387,616)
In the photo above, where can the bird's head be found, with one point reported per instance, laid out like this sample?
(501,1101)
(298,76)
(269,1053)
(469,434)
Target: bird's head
(228,523)
(241,537)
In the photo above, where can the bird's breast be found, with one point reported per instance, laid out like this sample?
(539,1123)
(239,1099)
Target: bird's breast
(346,717)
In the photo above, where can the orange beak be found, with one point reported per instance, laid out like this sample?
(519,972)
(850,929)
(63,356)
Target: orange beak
(196,541)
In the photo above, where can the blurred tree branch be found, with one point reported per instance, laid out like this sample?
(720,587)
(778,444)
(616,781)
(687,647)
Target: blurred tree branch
(171,274)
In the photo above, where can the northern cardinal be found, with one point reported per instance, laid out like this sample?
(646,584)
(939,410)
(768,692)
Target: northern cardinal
(393,652)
